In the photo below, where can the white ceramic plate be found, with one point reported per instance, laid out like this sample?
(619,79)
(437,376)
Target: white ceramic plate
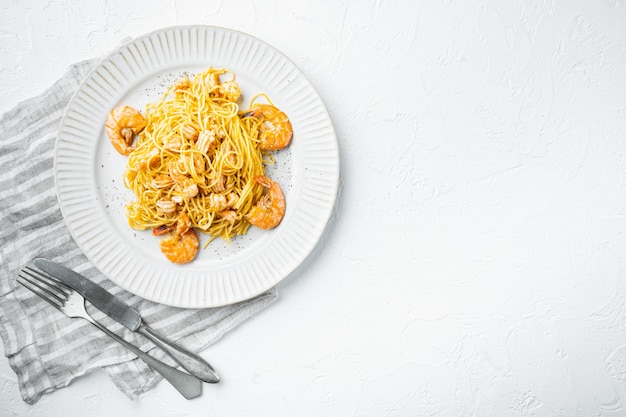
(88,171)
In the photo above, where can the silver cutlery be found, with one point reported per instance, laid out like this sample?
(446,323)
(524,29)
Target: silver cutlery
(129,317)
(72,304)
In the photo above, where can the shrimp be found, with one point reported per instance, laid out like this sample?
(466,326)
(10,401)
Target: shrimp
(188,187)
(220,184)
(229,215)
(230,91)
(162,229)
(182,246)
(173,144)
(270,208)
(162,181)
(189,132)
(227,90)
(165,206)
(199,163)
(207,143)
(275,131)
(151,160)
(230,156)
(122,124)
(219,202)
(181,85)
(180,249)
(181,226)
(212,81)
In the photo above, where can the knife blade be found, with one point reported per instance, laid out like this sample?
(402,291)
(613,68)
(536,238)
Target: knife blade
(128,317)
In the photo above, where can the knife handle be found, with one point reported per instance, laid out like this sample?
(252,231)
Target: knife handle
(191,362)
(188,385)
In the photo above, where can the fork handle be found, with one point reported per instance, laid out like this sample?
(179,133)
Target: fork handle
(189,386)
(193,363)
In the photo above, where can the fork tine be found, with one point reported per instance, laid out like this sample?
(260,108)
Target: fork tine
(45,284)
(49,279)
(40,292)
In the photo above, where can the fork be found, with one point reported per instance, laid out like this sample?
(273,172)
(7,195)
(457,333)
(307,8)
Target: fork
(72,304)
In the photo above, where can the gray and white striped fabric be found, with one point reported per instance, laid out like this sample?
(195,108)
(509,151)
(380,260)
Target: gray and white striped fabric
(46,349)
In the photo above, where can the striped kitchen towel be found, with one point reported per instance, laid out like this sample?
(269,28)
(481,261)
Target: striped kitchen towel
(46,349)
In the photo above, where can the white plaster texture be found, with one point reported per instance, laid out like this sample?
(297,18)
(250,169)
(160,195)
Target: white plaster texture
(475,262)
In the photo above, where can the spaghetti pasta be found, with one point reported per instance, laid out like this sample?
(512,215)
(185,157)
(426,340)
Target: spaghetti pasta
(198,158)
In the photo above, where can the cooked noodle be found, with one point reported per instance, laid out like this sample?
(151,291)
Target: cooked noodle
(174,171)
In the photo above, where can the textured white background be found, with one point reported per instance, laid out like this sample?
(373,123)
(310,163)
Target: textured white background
(475,263)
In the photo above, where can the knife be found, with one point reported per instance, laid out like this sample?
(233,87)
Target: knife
(129,317)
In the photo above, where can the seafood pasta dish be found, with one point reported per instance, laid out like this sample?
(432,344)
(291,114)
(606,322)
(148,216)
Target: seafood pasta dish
(197,164)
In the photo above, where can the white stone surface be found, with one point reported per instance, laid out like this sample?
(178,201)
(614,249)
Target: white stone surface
(475,265)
